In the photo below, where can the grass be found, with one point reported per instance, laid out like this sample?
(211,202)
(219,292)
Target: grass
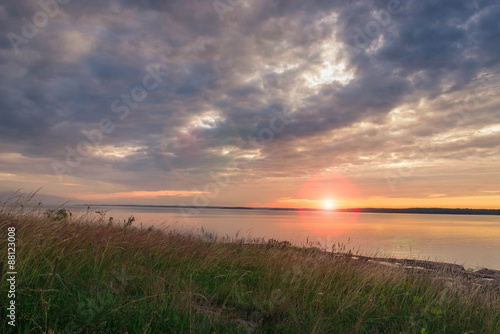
(85,274)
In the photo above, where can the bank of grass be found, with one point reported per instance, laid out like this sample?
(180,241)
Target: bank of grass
(82,274)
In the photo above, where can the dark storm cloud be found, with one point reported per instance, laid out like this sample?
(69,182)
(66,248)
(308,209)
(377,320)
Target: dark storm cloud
(246,66)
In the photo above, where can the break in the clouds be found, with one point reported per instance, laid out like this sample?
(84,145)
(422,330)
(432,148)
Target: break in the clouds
(248,101)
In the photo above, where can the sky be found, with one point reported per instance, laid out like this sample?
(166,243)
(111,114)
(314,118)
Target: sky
(320,104)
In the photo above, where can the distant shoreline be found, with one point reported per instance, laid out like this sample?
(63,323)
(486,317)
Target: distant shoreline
(434,211)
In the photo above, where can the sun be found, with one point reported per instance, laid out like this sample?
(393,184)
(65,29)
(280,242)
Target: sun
(328,204)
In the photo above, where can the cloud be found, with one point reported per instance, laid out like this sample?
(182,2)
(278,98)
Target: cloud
(356,109)
(137,194)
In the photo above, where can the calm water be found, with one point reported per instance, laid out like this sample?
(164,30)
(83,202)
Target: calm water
(471,241)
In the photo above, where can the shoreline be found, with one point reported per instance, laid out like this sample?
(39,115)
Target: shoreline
(480,276)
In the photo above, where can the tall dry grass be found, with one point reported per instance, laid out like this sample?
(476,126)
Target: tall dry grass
(79,273)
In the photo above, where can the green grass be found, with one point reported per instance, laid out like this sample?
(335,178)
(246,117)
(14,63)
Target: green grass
(81,274)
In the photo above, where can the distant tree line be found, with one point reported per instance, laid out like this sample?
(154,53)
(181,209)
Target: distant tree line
(441,211)
(428,211)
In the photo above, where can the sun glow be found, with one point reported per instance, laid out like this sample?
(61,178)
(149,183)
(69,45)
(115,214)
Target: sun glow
(328,204)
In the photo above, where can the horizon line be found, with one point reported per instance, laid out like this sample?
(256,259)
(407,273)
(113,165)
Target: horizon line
(437,210)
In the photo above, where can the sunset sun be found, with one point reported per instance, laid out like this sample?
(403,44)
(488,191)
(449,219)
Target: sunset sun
(328,204)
